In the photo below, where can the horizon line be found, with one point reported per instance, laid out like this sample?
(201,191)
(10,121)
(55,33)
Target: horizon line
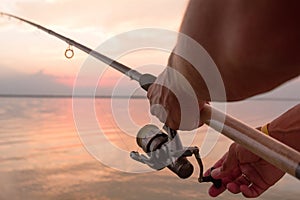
(123,97)
(68,96)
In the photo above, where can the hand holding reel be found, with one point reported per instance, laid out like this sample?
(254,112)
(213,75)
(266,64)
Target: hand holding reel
(165,150)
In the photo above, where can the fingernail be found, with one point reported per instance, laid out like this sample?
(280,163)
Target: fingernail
(216,172)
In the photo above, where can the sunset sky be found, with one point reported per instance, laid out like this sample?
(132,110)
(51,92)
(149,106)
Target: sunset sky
(33,62)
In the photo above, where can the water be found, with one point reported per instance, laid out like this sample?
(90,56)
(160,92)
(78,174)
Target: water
(42,156)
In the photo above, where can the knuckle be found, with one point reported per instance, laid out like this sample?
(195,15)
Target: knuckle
(152,111)
(232,148)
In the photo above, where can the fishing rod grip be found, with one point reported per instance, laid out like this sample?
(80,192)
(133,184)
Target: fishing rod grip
(146,80)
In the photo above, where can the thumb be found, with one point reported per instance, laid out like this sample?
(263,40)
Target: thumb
(229,164)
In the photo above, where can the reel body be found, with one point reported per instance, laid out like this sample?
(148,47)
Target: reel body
(165,150)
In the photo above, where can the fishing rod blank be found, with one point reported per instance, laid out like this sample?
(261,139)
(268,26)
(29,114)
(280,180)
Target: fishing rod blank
(271,150)
(133,74)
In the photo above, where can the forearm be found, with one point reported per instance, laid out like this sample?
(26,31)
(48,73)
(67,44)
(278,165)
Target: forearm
(254,44)
(286,128)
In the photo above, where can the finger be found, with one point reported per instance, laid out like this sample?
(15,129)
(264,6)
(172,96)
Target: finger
(231,160)
(234,187)
(159,111)
(216,165)
(257,186)
(214,192)
(154,92)
(254,176)
(150,91)
(208,172)
(251,191)
(173,123)
(220,162)
(228,165)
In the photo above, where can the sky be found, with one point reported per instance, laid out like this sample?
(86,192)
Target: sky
(33,62)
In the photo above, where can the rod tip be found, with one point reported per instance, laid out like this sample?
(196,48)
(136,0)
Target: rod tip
(2,14)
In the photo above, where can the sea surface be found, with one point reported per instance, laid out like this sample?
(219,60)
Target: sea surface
(49,152)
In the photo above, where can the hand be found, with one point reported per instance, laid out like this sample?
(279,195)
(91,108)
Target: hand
(173,101)
(243,172)
(164,105)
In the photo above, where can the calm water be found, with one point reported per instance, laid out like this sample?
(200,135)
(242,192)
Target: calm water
(42,156)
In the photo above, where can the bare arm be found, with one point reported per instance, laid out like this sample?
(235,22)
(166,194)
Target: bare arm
(286,128)
(255,44)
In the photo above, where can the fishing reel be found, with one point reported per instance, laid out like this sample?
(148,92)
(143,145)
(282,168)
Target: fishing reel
(164,149)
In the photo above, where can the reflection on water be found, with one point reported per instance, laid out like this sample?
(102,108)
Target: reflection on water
(42,156)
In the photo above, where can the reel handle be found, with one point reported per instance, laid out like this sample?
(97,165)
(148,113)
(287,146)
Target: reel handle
(216,182)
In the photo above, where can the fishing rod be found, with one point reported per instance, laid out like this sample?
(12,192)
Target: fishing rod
(157,143)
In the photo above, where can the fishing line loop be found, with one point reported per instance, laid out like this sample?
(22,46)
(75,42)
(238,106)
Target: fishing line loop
(69,53)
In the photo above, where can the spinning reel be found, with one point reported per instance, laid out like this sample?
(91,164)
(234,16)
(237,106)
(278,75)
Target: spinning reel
(164,149)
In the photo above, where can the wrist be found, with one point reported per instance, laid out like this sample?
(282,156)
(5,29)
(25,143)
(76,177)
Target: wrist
(270,130)
(285,136)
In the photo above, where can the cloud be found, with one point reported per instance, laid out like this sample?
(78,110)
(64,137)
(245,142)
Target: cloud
(16,83)
(33,84)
